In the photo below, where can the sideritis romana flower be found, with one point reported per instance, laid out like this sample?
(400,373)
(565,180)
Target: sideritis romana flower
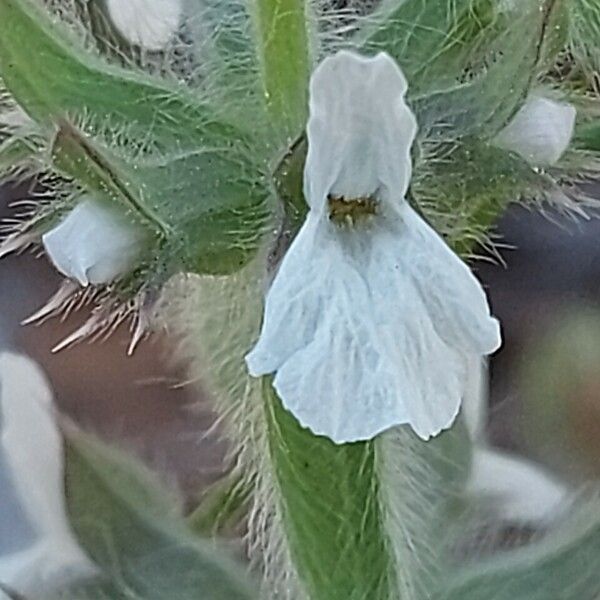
(540,132)
(371,320)
(38,550)
(94,244)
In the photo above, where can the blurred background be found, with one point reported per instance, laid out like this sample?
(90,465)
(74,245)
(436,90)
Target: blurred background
(545,382)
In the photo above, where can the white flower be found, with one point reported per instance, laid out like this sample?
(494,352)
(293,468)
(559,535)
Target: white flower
(371,319)
(518,490)
(32,491)
(540,132)
(147,23)
(94,244)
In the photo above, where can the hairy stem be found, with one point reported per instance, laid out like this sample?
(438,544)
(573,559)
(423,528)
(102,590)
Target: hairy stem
(282,43)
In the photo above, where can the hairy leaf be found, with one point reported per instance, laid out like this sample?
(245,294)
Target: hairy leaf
(132,530)
(51,78)
(564,566)
(432,41)
(465,187)
(498,83)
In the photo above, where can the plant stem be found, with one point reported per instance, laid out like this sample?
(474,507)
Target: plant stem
(282,45)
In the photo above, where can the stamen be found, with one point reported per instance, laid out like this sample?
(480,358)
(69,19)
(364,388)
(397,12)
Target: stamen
(349,210)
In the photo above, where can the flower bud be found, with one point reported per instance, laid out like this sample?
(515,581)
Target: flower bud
(94,244)
(519,490)
(540,132)
(147,23)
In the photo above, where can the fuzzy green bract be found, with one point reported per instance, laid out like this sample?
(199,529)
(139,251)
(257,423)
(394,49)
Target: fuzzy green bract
(204,147)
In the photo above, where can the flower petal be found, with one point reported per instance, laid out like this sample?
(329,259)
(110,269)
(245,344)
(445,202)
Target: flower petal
(456,301)
(358,121)
(372,321)
(356,347)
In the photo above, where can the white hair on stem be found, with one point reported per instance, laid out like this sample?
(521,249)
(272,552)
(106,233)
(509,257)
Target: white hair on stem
(213,344)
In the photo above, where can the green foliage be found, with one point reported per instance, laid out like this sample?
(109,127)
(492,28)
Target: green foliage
(166,156)
(222,507)
(493,87)
(99,173)
(563,566)
(587,136)
(432,41)
(13,151)
(462,189)
(583,37)
(470,63)
(349,510)
(132,530)
(146,109)
(213,226)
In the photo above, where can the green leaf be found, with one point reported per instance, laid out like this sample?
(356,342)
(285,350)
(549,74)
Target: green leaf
(584,35)
(133,530)
(213,199)
(491,95)
(51,77)
(13,151)
(470,63)
(431,40)
(564,566)
(231,46)
(282,45)
(587,136)
(206,207)
(196,181)
(75,156)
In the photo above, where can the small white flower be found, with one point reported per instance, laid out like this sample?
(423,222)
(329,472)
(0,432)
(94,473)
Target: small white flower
(518,490)
(32,494)
(372,319)
(147,23)
(540,132)
(94,244)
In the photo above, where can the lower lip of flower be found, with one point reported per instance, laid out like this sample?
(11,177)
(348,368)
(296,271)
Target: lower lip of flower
(347,211)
